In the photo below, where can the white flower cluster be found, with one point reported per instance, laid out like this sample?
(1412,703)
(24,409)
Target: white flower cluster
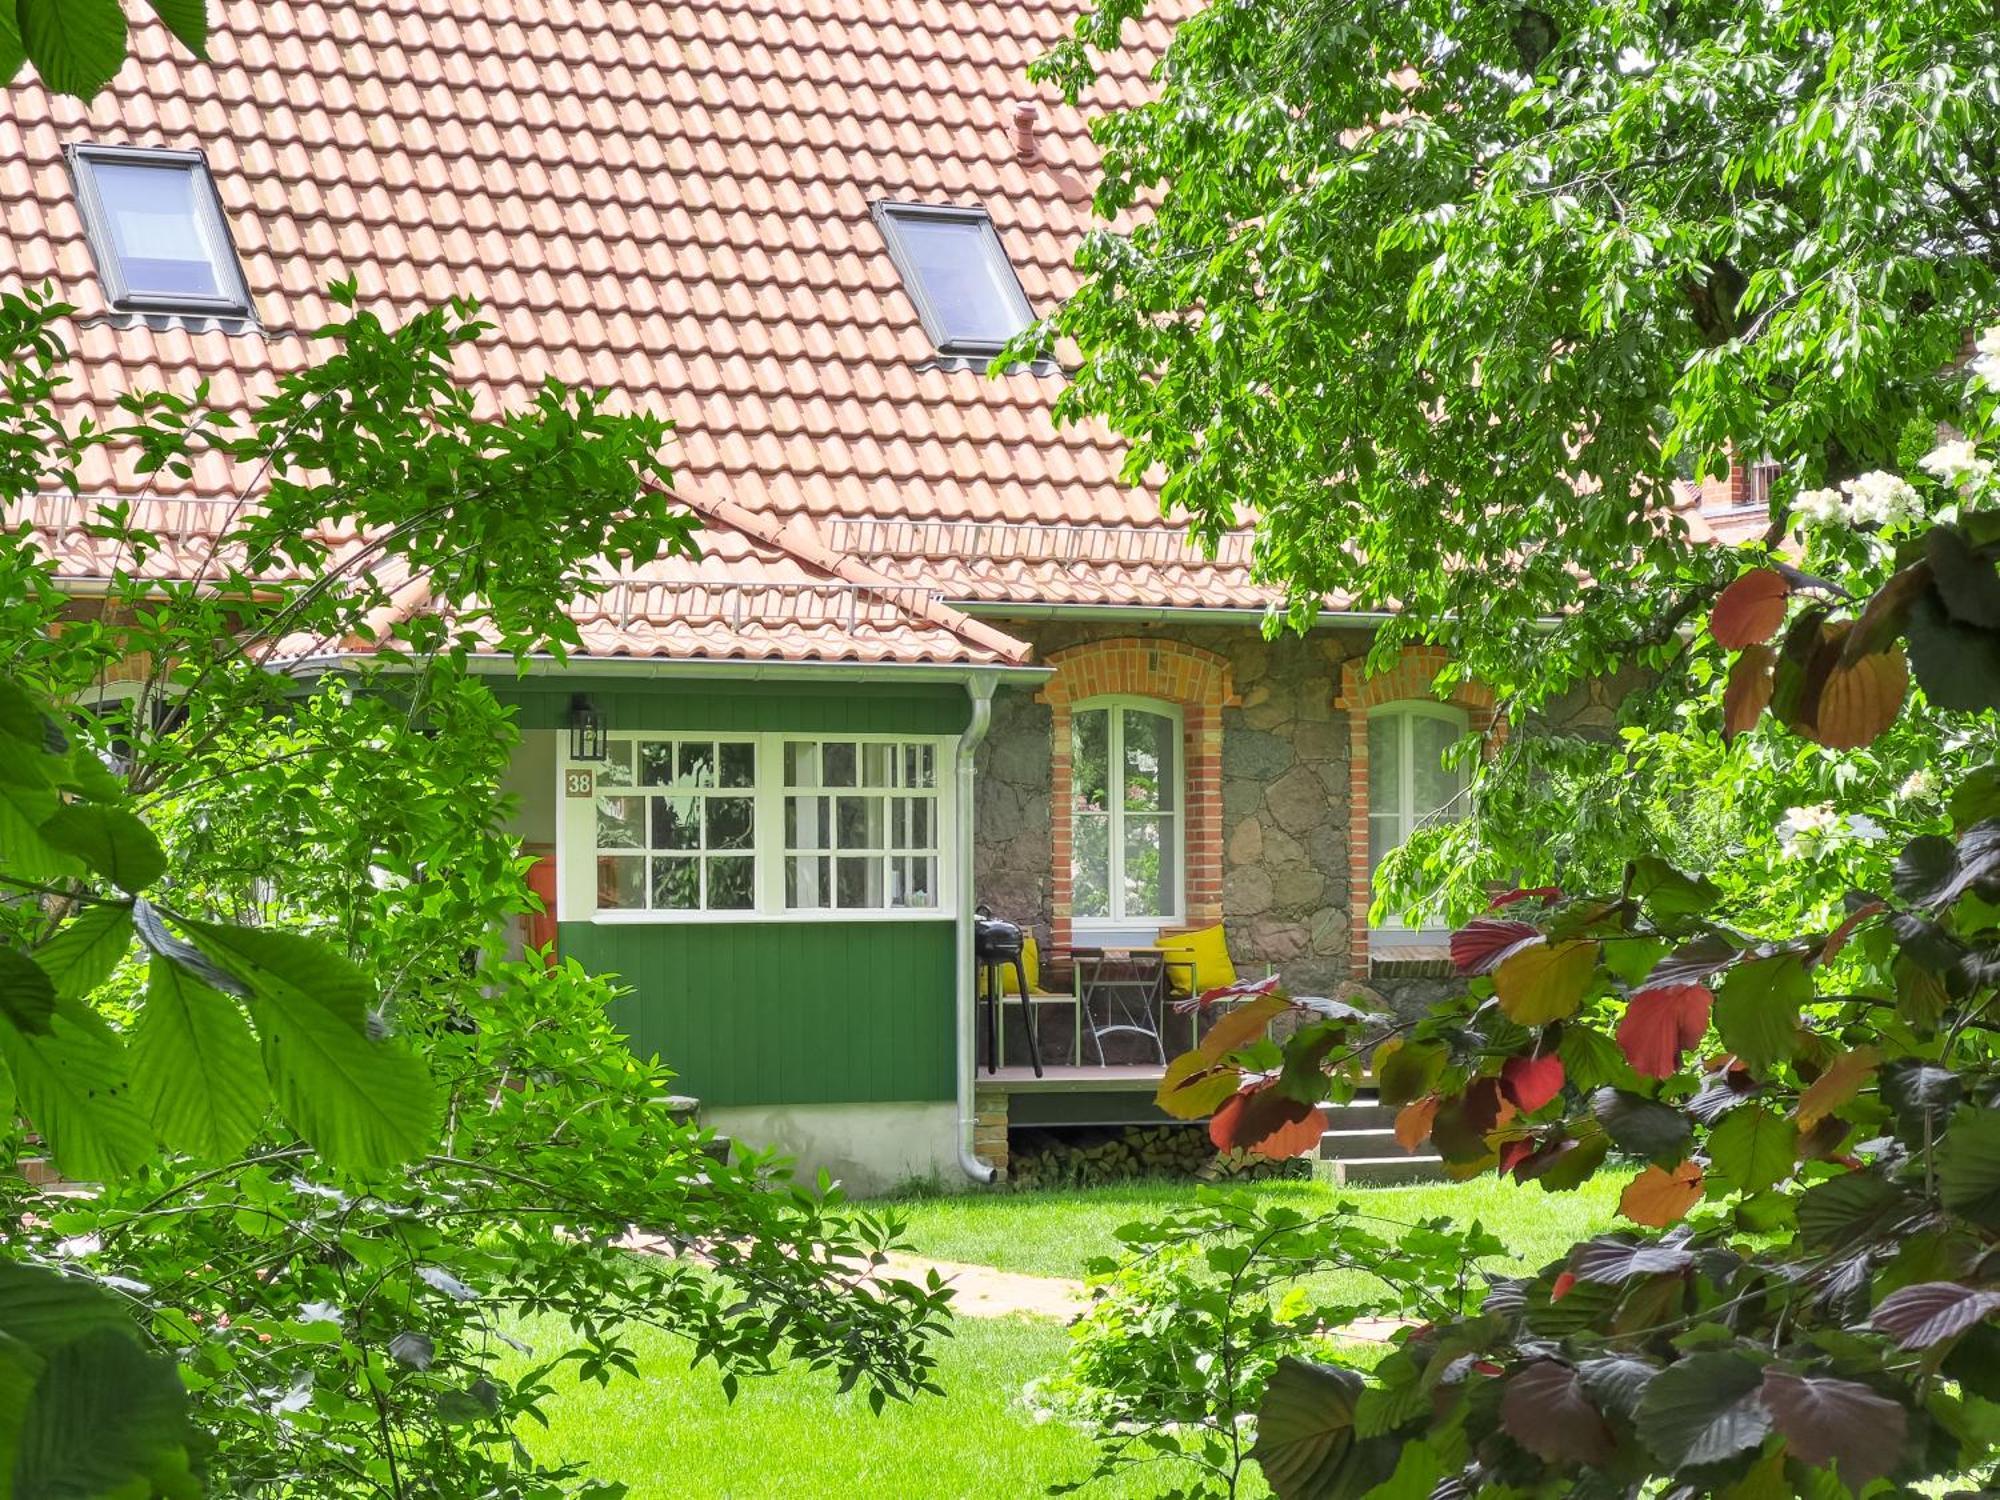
(1986,360)
(1808,832)
(1877,498)
(1957,463)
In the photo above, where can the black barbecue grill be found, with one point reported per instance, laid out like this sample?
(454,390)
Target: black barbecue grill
(996,945)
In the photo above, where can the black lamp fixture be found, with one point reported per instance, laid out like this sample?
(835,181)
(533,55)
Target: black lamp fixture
(586,729)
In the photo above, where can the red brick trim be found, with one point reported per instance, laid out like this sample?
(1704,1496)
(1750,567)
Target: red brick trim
(1414,676)
(1199,683)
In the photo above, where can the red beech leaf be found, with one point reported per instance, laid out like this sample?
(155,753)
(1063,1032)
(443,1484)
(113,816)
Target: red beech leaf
(1562,1285)
(1749,690)
(1530,1082)
(1480,945)
(1413,1122)
(1267,1123)
(1857,702)
(1920,1316)
(1841,1422)
(1544,1409)
(1243,989)
(1660,1024)
(1514,1152)
(1750,610)
(1544,893)
(1658,1198)
(1837,939)
(1194,1085)
(1839,1082)
(1885,616)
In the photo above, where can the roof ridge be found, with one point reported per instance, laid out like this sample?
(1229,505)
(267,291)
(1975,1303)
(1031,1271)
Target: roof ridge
(802,541)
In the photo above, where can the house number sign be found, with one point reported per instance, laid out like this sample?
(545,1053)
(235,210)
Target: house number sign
(577,783)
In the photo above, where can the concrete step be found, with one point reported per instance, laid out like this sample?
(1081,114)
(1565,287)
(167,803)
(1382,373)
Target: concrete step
(1349,1144)
(1376,1171)
(1362,1114)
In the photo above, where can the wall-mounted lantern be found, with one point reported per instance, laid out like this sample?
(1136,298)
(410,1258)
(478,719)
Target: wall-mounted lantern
(586,730)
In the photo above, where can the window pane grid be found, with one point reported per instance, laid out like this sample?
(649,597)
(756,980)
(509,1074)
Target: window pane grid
(861,828)
(1125,845)
(676,829)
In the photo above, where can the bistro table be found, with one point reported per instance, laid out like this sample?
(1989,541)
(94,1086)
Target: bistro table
(1129,985)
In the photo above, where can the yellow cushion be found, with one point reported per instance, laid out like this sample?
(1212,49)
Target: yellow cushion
(1031,961)
(1208,950)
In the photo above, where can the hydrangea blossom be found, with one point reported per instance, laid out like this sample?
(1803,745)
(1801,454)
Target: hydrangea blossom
(1820,507)
(1919,783)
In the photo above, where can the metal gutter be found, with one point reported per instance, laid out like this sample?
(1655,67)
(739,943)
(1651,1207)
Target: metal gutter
(1184,614)
(979,688)
(647,668)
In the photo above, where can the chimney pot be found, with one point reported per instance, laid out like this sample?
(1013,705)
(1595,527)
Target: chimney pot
(1027,141)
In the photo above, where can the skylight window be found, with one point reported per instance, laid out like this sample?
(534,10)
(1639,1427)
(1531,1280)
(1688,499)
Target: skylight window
(155,226)
(958,275)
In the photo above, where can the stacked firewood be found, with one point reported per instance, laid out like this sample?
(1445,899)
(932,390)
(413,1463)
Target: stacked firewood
(1089,1155)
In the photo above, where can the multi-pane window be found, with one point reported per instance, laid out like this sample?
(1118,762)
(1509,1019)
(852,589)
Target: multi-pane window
(676,825)
(1126,829)
(155,225)
(1408,782)
(861,825)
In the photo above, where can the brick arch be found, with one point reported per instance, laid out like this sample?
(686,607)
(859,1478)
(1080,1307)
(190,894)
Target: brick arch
(1413,677)
(1196,681)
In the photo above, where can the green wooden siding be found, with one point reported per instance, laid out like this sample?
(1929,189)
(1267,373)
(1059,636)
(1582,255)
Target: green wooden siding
(848,706)
(785,1012)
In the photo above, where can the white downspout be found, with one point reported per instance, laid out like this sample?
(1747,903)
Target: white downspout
(980,690)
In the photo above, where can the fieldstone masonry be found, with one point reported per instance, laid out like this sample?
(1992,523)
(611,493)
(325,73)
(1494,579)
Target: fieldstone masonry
(1285,751)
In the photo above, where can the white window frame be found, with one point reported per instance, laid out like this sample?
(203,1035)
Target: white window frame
(1406,773)
(210,224)
(576,827)
(890,217)
(884,854)
(1119,928)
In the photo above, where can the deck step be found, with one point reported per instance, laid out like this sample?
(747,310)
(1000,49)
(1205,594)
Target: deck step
(1374,1171)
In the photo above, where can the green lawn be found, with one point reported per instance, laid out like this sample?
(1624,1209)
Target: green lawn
(671,1436)
(1055,1233)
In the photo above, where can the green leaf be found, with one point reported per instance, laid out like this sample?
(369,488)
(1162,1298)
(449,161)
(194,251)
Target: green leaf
(73,1087)
(27,994)
(1757,1009)
(1754,1148)
(1408,1072)
(86,950)
(77,46)
(1968,1166)
(27,800)
(13,56)
(44,1308)
(1305,1427)
(1667,893)
(187,20)
(195,1066)
(1854,1208)
(1703,1409)
(363,1100)
(1643,1126)
(1545,982)
(105,1419)
(110,841)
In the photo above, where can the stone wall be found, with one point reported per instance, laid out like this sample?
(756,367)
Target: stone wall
(1284,797)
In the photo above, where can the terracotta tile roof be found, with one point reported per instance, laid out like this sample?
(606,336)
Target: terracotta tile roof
(668,201)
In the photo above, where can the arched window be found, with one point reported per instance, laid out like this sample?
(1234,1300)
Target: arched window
(1408,782)
(1127,848)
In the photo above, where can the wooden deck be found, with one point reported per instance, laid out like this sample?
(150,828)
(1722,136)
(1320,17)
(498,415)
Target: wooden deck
(1061,1077)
